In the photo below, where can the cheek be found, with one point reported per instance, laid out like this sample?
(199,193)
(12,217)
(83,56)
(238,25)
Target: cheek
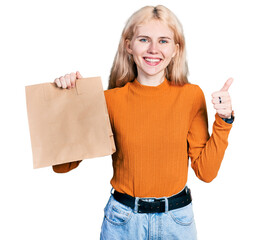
(168,56)
(168,49)
(137,56)
(138,50)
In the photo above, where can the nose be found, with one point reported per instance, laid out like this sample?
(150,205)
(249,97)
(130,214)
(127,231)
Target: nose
(153,49)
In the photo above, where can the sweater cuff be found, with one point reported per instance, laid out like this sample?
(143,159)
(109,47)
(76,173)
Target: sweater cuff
(229,120)
(221,122)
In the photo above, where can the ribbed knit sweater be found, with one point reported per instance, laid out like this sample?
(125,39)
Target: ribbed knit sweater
(156,130)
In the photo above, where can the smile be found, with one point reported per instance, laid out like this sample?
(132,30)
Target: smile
(152,61)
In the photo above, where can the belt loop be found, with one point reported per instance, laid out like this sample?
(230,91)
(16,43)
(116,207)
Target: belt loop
(111,191)
(136,204)
(166,204)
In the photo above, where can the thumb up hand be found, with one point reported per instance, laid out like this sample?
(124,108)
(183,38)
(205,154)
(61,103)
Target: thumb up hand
(222,101)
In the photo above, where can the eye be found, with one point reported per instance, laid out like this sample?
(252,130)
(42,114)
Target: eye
(143,40)
(163,41)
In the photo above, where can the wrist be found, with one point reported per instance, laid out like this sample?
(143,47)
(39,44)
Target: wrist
(230,119)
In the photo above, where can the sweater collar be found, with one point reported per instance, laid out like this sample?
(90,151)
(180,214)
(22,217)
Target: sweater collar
(150,90)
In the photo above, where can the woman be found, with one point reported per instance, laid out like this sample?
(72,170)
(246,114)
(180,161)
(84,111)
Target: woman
(159,120)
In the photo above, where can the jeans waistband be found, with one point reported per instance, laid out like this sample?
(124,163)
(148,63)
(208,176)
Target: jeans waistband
(150,205)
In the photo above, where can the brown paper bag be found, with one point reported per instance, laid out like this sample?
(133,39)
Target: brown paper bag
(68,125)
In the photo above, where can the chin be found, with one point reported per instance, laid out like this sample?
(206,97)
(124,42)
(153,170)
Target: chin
(153,73)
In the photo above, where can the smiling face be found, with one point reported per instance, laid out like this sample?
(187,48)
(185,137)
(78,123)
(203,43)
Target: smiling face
(152,47)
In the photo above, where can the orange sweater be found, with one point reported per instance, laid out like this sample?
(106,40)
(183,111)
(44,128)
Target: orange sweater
(156,130)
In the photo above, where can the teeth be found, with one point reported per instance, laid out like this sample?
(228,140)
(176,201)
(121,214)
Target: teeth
(152,60)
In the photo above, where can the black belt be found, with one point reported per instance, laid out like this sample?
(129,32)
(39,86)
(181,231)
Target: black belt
(179,200)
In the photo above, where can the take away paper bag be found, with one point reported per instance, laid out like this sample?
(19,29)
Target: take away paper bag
(68,125)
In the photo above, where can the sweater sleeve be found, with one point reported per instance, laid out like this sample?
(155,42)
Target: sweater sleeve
(65,167)
(206,152)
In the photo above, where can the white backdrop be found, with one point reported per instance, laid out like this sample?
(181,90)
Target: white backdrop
(42,40)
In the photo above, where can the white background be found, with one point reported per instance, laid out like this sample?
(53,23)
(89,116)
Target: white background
(42,40)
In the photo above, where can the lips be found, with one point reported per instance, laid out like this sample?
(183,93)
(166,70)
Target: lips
(152,61)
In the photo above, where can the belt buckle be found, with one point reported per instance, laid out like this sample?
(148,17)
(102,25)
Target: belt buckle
(162,205)
(151,207)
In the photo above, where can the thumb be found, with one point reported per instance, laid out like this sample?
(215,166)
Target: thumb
(227,84)
(78,75)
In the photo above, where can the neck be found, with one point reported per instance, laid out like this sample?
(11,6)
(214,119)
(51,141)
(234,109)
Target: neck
(151,80)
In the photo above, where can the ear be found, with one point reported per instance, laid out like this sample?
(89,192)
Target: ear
(176,50)
(128,46)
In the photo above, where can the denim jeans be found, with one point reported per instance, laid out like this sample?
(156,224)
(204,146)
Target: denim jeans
(124,223)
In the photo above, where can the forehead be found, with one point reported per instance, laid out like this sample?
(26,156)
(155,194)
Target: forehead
(154,28)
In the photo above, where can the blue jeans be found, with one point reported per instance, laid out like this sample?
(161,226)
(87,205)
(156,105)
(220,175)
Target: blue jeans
(124,223)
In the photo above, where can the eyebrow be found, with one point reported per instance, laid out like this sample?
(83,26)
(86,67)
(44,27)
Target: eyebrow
(149,37)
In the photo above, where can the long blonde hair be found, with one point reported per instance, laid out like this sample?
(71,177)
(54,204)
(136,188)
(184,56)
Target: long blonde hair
(124,68)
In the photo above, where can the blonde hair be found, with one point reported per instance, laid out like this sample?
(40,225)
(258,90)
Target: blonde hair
(124,68)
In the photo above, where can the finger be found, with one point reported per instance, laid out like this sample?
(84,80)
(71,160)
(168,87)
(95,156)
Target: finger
(67,79)
(227,84)
(78,75)
(57,81)
(224,99)
(72,79)
(220,106)
(63,82)
(220,94)
(225,112)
